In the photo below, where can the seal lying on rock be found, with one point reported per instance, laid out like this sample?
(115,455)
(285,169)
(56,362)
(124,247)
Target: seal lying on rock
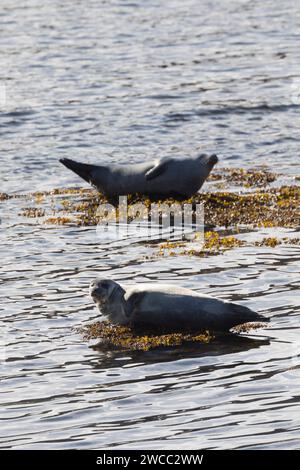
(167,307)
(179,178)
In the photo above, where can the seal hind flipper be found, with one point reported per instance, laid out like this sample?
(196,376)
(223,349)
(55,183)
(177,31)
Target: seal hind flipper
(241,314)
(84,170)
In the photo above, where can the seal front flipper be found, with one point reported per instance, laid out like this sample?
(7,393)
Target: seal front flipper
(157,170)
(132,304)
(83,170)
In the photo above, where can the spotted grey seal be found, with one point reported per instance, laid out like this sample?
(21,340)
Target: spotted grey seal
(179,178)
(167,307)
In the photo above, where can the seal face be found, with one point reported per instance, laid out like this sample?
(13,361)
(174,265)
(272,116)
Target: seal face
(168,307)
(109,298)
(178,177)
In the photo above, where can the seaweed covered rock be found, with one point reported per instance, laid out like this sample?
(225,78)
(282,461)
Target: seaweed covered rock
(133,339)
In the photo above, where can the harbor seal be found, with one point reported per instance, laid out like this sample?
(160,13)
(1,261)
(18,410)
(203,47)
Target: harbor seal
(179,178)
(167,307)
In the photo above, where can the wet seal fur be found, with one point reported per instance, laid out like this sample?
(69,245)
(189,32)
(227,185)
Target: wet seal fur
(168,307)
(178,178)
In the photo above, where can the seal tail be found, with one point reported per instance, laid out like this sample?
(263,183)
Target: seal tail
(83,170)
(244,314)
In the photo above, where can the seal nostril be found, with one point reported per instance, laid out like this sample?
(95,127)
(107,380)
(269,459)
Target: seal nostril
(214,159)
(94,292)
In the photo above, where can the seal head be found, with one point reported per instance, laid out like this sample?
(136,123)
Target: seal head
(108,295)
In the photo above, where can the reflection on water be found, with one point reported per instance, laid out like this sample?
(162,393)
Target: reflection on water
(117,81)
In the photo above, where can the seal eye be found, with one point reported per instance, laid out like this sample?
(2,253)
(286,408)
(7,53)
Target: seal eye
(105,284)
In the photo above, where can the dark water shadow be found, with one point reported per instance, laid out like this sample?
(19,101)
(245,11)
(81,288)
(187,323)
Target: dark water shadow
(221,345)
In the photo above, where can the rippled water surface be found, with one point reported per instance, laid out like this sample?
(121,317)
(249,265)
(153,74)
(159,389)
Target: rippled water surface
(129,81)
